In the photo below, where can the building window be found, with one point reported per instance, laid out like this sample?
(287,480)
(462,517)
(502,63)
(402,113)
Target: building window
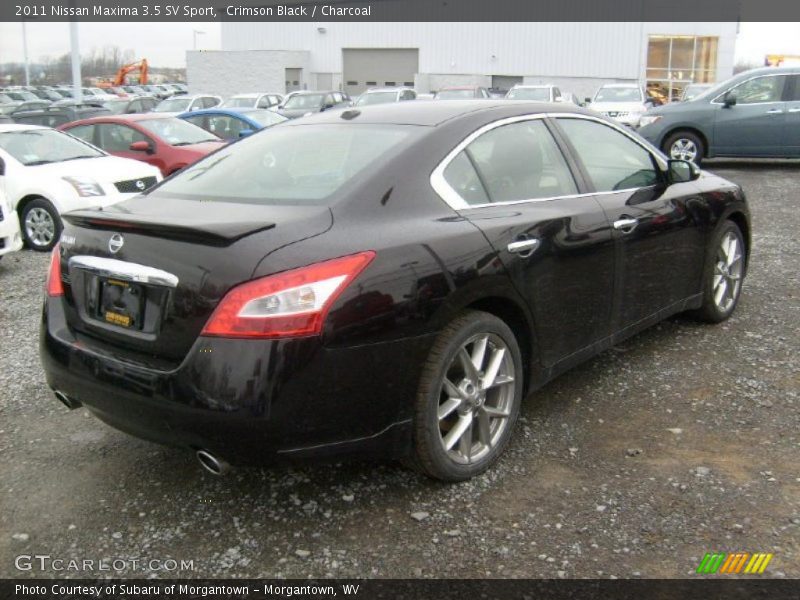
(674,61)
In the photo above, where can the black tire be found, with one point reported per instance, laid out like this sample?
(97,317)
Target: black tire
(711,311)
(428,454)
(689,138)
(32,240)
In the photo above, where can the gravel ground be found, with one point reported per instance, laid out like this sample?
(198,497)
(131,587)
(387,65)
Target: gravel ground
(680,442)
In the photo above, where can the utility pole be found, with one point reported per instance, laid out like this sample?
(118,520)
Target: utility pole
(25,54)
(76,61)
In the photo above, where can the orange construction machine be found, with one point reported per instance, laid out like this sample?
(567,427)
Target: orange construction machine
(125,70)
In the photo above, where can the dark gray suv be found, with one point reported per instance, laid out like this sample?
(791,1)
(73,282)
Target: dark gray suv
(754,114)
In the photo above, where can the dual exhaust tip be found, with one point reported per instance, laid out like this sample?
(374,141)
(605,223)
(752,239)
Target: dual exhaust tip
(70,403)
(211,463)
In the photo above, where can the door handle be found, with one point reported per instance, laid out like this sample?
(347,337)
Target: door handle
(626,225)
(775,111)
(524,247)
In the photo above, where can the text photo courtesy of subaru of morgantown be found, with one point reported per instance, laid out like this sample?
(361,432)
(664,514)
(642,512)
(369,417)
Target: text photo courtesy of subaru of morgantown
(384,293)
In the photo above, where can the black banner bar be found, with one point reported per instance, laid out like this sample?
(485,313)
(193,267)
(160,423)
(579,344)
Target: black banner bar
(727,588)
(400,10)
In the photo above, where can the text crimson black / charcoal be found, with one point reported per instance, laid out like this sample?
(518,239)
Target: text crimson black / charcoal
(297,11)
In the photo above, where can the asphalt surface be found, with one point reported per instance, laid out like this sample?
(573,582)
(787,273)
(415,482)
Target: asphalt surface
(682,441)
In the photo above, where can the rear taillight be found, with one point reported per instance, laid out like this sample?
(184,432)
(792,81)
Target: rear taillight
(54,285)
(289,304)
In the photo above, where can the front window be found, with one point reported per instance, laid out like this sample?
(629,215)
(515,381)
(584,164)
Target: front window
(304,102)
(174,105)
(239,102)
(291,166)
(42,146)
(376,98)
(612,160)
(760,90)
(534,94)
(177,132)
(455,94)
(621,94)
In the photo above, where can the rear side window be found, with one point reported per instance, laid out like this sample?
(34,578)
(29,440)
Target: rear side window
(760,90)
(290,166)
(520,161)
(462,177)
(612,160)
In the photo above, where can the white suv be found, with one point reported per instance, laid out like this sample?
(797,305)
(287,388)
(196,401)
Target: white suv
(623,102)
(10,238)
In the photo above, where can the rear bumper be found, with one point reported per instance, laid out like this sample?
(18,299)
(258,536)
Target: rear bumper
(247,401)
(10,237)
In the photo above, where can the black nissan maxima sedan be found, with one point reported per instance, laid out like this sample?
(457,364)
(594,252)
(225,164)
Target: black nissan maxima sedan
(387,281)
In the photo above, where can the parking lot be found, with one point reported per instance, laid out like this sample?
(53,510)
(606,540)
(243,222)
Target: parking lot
(680,442)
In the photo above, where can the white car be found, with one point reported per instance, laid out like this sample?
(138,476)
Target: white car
(625,103)
(264,100)
(10,237)
(535,93)
(44,173)
(185,103)
(385,96)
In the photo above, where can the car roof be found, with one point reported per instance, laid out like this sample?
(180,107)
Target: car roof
(125,118)
(432,114)
(232,111)
(621,85)
(19,127)
(459,87)
(386,89)
(532,85)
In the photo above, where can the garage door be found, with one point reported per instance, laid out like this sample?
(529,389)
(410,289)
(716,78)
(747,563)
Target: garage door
(378,67)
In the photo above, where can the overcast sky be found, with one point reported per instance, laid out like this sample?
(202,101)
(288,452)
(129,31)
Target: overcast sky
(165,44)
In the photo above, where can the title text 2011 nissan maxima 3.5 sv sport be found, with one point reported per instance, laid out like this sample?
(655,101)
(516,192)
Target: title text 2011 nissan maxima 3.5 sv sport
(389,281)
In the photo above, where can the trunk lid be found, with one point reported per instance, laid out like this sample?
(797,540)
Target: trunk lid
(147,294)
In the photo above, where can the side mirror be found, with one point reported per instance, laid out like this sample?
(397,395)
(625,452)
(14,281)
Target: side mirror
(327,106)
(587,100)
(246,132)
(140,146)
(2,167)
(559,98)
(681,171)
(729,99)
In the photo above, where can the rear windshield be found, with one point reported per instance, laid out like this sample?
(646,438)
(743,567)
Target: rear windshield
(177,132)
(240,102)
(174,105)
(535,94)
(455,94)
(289,165)
(302,101)
(376,98)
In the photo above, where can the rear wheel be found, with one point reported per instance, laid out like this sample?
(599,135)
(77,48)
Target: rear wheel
(469,398)
(41,225)
(685,145)
(724,272)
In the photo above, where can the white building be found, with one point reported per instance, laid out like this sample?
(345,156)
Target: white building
(351,56)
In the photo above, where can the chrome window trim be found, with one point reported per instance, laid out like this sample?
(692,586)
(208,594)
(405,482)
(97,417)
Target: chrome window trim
(126,271)
(456,202)
(759,76)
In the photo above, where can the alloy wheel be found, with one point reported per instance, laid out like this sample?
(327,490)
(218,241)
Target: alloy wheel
(476,398)
(683,149)
(728,272)
(39,226)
